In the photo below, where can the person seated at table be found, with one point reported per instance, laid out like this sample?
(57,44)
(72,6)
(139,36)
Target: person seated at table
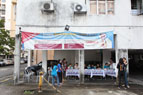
(76,66)
(98,66)
(89,67)
(106,66)
(70,66)
(92,67)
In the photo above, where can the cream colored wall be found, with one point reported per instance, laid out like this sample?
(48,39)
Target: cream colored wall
(38,56)
(13,21)
(10,21)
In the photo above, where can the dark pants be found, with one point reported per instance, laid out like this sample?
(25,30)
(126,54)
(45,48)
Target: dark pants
(121,77)
(126,80)
(60,76)
(64,74)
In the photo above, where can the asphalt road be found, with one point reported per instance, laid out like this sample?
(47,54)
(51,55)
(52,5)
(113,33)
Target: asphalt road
(8,70)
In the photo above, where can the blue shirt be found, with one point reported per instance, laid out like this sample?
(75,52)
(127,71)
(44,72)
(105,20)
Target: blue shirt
(106,67)
(54,71)
(59,68)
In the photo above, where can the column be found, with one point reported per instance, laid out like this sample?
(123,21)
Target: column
(29,58)
(17,55)
(77,57)
(44,60)
(81,65)
(106,56)
(123,53)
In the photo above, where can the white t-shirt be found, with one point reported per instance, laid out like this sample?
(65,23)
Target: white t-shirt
(113,66)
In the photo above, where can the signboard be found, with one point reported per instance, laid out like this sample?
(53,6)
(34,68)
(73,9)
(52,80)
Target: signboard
(67,40)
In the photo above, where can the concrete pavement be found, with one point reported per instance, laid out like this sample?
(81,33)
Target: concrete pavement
(70,88)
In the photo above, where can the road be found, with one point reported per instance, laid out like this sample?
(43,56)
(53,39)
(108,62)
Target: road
(8,70)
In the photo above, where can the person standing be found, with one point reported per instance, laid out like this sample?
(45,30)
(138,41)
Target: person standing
(60,70)
(125,72)
(64,66)
(54,75)
(111,64)
(120,67)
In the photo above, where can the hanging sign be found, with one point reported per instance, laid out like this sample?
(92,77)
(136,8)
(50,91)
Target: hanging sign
(67,40)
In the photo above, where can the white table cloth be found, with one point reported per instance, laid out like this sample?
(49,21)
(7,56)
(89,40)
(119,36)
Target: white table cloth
(72,72)
(91,72)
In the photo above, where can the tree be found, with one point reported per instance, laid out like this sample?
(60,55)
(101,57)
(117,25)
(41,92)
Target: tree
(6,42)
(2,23)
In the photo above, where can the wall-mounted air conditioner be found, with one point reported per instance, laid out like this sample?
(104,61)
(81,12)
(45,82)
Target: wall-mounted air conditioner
(80,8)
(48,7)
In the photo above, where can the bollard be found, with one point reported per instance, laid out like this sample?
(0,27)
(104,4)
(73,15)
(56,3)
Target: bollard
(40,82)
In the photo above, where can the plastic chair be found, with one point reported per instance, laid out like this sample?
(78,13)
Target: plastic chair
(27,74)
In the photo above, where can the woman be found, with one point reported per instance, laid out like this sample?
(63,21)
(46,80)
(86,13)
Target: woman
(125,72)
(120,68)
(54,75)
(76,66)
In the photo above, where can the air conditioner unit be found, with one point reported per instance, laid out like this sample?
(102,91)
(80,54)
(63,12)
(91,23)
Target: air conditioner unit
(80,8)
(48,7)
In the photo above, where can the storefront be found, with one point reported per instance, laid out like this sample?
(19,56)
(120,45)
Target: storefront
(82,48)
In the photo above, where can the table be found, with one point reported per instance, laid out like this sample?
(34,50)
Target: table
(72,72)
(91,72)
(110,72)
(98,72)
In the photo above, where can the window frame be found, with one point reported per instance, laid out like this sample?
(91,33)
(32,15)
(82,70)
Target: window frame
(106,7)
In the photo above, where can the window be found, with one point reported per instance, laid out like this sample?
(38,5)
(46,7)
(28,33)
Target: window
(3,1)
(3,6)
(137,7)
(14,12)
(93,7)
(102,6)
(110,6)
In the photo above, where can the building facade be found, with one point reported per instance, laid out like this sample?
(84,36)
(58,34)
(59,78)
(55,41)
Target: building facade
(124,17)
(2,9)
(10,16)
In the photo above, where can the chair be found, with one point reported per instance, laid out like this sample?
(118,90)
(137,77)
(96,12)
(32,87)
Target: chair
(27,74)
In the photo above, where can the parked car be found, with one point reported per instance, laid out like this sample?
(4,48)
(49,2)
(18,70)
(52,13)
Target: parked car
(9,61)
(37,67)
(2,63)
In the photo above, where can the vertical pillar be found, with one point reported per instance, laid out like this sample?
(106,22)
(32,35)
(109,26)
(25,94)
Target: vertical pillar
(106,56)
(116,54)
(124,53)
(29,58)
(81,64)
(76,57)
(44,60)
(120,53)
(17,57)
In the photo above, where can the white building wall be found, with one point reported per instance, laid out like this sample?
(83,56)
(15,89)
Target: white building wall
(69,55)
(31,19)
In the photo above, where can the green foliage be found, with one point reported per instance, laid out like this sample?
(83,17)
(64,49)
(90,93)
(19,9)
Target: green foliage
(1,23)
(6,42)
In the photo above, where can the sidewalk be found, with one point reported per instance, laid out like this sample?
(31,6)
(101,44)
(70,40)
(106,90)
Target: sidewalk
(70,88)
